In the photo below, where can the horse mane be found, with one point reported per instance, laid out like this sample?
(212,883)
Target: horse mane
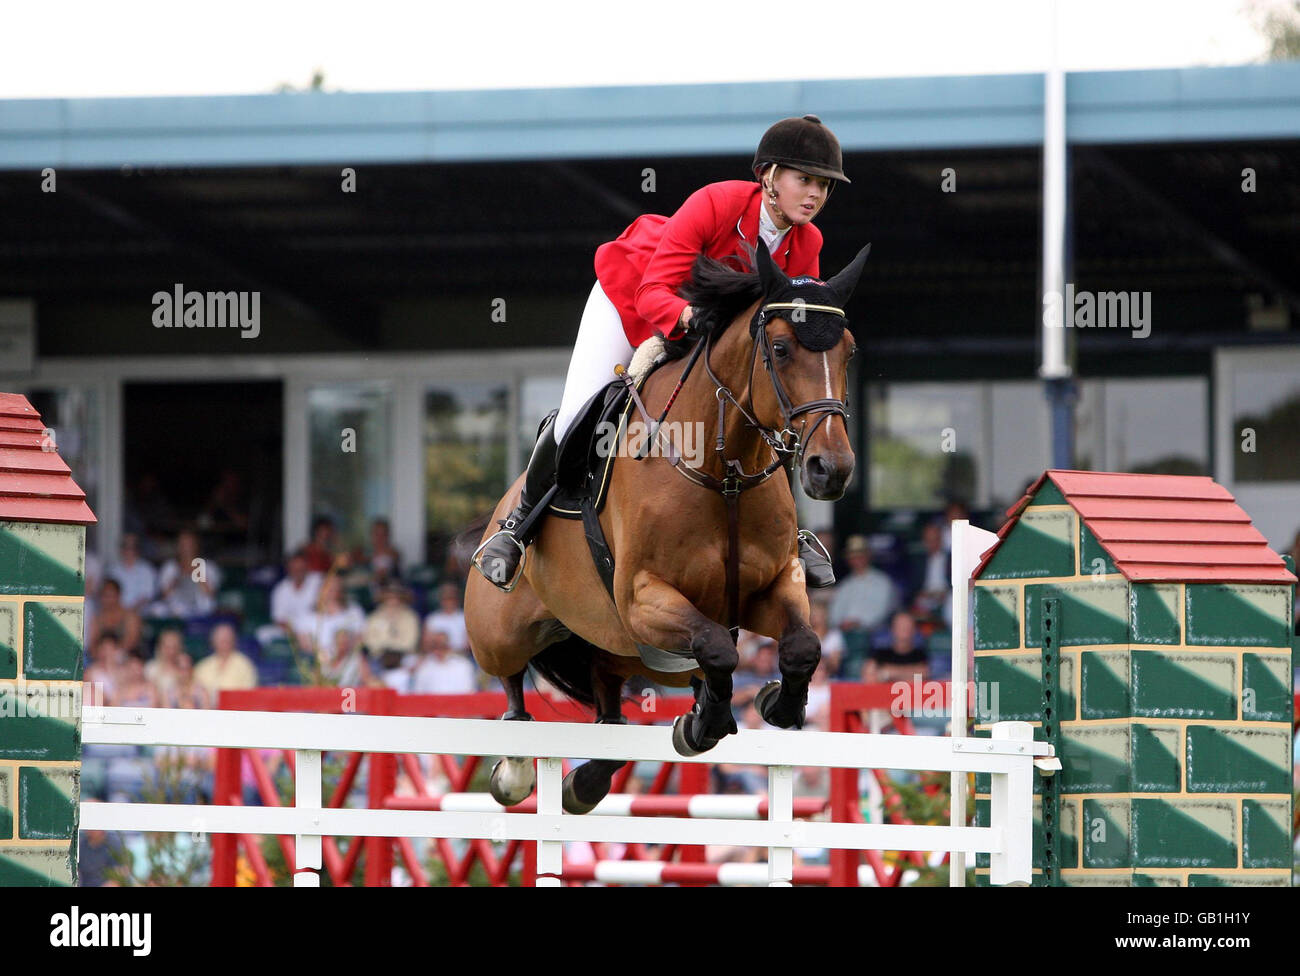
(720,291)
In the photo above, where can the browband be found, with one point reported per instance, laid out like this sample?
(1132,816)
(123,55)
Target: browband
(805,306)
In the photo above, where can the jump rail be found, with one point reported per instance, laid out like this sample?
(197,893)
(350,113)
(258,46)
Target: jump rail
(1010,756)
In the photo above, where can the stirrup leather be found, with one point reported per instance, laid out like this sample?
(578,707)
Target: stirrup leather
(494,576)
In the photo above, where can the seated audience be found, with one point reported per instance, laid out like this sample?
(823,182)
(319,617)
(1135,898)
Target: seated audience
(449,617)
(393,630)
(136,576)
(384,560)
(227,668)
(439,670)
(188,583)
(293,597)
(165,668)
(336,612)
(346,666)
(111,617)
(863,601)
(322,549)
(902,659)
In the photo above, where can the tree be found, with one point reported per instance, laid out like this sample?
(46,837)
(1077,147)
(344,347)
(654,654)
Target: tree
(1279,23)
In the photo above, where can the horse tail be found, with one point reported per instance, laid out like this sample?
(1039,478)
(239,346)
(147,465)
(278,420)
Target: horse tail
(567,665)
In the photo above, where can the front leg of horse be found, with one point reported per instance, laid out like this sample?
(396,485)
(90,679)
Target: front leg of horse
(663,618)
(784,703)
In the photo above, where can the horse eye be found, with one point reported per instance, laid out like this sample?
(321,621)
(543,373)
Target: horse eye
(780,350)
(852,352)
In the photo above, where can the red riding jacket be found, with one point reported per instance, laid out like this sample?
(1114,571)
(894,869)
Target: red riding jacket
(641,271)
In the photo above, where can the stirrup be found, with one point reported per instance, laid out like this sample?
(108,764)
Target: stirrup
(807,536)
(506,586)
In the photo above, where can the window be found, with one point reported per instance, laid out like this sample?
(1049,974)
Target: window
(351,460)
(465,442)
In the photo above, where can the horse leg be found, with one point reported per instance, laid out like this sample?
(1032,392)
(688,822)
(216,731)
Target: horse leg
(662,617)
(784,703)
(513,779)
(587,785)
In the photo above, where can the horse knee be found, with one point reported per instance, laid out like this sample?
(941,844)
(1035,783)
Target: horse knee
(715,653)
(801,652)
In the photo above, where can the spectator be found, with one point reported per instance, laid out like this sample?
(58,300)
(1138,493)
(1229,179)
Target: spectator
(336,612)
(226,510)
(393,630)
(439,670)
(226,668)
(135,690)
(931,582)
(864,601)
(952,512)
(345,666)
(762,668)
(293,597)
(320,551)
(99,853)
(449,617)
(185,691)
(831,638)
(189,583)
(384,560)
(165,670)
(106,658)
(113,618)
(901,659)
(137,577)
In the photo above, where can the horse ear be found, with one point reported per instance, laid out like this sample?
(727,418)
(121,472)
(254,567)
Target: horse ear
(769,275)
(844,283)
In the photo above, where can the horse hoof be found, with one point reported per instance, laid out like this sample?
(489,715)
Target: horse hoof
(765,697)
(768,704)
(512,781)
(681,736)
(569,798)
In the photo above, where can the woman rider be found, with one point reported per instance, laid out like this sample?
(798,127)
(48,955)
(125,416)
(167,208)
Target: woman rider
(635,296)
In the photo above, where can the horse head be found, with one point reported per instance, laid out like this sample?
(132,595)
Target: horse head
(801,333)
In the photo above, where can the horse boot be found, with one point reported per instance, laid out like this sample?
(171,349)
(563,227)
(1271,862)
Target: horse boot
(704,726)
(817,571)
(500,559)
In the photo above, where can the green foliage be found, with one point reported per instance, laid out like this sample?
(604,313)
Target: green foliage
(170,859)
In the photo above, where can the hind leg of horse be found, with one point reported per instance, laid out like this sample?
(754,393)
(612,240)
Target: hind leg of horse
(513,779)
(587,785)
(662,617)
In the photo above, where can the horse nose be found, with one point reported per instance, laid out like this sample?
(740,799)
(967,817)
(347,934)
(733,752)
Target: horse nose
(823,478)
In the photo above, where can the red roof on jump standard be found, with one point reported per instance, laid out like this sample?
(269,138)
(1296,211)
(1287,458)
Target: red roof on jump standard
(35,483)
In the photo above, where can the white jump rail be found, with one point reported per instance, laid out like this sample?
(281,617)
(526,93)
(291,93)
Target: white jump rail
(1010,756)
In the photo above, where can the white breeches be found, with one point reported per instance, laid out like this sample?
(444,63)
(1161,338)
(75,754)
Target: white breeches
(600,346)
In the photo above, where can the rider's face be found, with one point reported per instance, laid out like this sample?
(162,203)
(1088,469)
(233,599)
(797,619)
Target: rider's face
(799,195)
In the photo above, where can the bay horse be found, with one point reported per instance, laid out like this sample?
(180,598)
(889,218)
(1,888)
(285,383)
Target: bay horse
(667,527)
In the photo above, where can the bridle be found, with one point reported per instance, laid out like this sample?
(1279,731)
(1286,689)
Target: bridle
(788,444)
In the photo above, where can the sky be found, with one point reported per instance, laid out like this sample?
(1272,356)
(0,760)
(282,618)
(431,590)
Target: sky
(192,47)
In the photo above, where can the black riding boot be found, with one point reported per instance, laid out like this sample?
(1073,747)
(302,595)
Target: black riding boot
(501,557)
(817,569)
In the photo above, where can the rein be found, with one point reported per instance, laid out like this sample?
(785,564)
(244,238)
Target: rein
(787,445)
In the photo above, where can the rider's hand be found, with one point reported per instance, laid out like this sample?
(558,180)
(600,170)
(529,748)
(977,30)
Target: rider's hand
(684,320)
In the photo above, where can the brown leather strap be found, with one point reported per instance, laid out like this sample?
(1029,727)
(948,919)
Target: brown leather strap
(733,563)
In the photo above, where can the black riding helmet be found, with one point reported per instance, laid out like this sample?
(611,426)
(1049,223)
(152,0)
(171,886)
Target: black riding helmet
(804,144)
